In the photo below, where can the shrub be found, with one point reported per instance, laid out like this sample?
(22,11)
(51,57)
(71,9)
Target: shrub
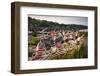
(83,33)
(33,41)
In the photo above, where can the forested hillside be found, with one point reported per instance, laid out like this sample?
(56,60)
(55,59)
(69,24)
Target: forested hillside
(36,24)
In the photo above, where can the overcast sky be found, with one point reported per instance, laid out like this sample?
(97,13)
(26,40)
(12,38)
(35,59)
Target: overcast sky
(63,19)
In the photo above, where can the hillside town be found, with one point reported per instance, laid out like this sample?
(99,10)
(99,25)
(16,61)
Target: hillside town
(55,43)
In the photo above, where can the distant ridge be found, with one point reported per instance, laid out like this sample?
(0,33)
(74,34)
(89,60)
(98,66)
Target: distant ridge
(37,24)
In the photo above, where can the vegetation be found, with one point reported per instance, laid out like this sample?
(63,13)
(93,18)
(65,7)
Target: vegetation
(33,41)
(83,33)
(75,53)
(36,24)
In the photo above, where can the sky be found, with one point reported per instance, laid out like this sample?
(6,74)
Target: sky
(63,19)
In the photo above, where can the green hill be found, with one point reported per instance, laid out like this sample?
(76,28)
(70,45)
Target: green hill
(38,25)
